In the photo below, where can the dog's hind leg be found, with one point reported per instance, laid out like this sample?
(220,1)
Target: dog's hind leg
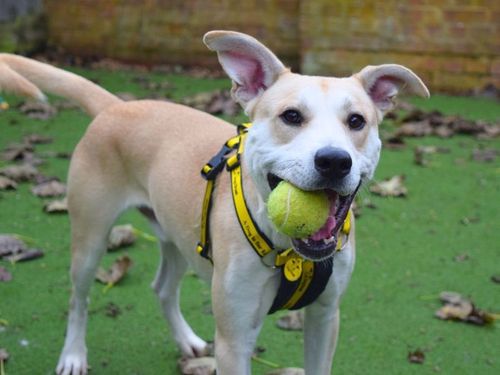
(91,220)
(167,286)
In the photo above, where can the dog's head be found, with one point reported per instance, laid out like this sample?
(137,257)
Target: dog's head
(318,133)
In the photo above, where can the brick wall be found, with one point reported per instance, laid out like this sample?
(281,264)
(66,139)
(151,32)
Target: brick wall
(453,44)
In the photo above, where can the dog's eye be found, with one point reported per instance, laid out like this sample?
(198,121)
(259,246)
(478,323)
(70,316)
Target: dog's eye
(356,121)
(292,117)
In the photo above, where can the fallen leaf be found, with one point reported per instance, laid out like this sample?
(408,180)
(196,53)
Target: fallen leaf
(458,308)
(56,206)
(292,321)
(485,156)
(4,356)
(20,173)
(121,236)
(197,366)
(11,245)
(112,310)
(495,279)
(461,258)
(51,188)
(38,110)
(5,275)
(25,255)
(216,102)
(392,187)
(7,184)
(37,139)
(395,143)
(117,271)
(417,356)
(287,371)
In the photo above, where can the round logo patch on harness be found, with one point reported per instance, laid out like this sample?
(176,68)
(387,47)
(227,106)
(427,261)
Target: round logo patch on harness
(293,269)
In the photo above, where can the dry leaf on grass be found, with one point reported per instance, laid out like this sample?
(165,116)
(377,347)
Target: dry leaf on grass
(38,110)
(37,139)
(421,152)
(392,187)
(197,366)
(25,255)
(486,156)
(11,245)
(287,371)
(458,308)
(417,356)
(20,173)
(292,321)
(5,275)
(495,279)
(216,102)
(121,236)
(7,184)
(56,206)
(51,188)
(117,271)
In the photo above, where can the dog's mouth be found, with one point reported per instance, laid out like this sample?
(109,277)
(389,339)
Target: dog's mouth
(323,243)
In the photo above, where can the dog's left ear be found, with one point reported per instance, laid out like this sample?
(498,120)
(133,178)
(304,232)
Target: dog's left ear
(251,65)
(384,82)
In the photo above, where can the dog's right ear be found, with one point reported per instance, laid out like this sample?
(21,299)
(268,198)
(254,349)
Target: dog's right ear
(250,64)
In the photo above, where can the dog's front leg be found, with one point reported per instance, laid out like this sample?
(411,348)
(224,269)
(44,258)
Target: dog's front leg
(241,299)
(321,326)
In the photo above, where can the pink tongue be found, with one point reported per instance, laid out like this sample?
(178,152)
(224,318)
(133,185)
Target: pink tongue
(326,230)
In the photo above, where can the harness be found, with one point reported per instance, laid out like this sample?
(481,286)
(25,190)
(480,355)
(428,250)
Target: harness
(301,280)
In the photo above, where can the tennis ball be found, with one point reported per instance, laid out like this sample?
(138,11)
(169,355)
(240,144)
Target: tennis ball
(295,212)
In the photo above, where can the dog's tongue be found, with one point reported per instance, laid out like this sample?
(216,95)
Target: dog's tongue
(326,230)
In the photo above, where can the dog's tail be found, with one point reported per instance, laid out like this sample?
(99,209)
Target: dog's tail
(26,77)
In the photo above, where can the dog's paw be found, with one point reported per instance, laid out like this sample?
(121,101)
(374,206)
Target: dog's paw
(72,364)
(192,346)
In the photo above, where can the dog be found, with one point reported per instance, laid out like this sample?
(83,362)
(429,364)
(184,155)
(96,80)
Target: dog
(318,133)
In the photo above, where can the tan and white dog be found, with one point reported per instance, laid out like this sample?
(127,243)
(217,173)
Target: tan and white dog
(315,132)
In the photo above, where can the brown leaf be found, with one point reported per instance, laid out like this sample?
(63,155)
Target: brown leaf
(287,371)
(414,129)
(25,255)
(197,366)
(112,310)
(20,173)
(37,139)
(392,187)
(461,258)
(458,308)
(395,143)
(7,184)
(121,236)
(486,156)
(5,275)
(56,206)
(292,321)
(51,188)
(38,110)
(11,245)
(117,271)
(216,102)
(4,355)
(417,356)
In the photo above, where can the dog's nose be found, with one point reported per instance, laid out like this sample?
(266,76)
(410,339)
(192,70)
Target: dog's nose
(332,162)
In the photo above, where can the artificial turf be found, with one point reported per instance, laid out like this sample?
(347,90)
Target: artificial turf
(406,250)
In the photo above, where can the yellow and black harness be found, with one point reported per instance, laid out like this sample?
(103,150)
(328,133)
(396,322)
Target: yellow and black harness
(302,280)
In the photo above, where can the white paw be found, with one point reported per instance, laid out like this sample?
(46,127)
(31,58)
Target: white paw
(192,346)
(72,364)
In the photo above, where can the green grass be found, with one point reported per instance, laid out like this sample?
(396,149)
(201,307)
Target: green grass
(405,258)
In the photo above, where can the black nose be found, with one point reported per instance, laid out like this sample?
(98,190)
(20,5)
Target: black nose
(332,162)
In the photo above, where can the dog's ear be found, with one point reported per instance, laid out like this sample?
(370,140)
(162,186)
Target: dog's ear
(250,64)
(384,82)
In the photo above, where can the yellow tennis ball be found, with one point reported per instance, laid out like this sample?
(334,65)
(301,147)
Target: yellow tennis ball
(295,212)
